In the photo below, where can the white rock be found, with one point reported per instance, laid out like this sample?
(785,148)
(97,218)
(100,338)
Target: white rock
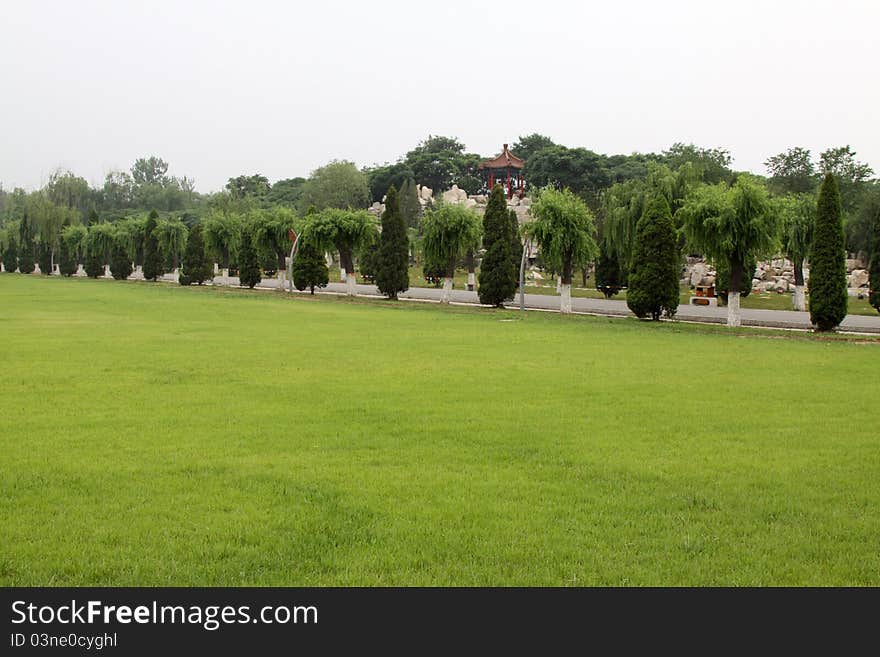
(698,272)
(425,193)
(455,195)
(859,278)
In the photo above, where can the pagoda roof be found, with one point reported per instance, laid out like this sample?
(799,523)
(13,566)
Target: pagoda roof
(503,160)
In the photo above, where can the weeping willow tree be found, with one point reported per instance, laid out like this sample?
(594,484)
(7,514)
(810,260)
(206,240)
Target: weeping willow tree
(271,233)
(732,225)
(223,237)
(624,204)
(343,231)
(171,235)
(563,229)
(797,218)
(71,248)
(449,231)
(131,232)
(99,245)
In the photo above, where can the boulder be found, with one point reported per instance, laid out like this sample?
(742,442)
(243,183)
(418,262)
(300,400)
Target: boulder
(853,263)
(858,278)
(470,203)
(425,193)
(455,195)
(698,272)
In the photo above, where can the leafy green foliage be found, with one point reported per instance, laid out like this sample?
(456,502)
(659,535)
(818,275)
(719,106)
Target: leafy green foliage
(380,178)
(653,278)
(563,228)
(608,277)
(222,231)
(410,207)
(526,147)
(797,219)
(339,230)
(197,267)
(171,239)
(792,172)
(732,224)
(248,263)
(828,296)
(711,165)
(449,231)
(392,263)
(256,186)
(26,247)
(120,262)
(440,162)
(497,280)
(10,256)
(309,269)
(152,257)
(339,184)
(44,258)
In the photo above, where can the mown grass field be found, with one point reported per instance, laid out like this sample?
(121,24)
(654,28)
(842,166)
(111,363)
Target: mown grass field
(158,435)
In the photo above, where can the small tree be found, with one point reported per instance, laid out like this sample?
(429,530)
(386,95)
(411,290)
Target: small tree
(732,225)
(26,247)
(563,229)
(341,230)
(798,215)
(653,274)
(392,264)
(248,262)
(120,261)
(66,256)
(450,231)
(10,256)
(497,281)
(44,258)
(608,279)
(197,268)
(874,270)
(309,269)
(152,257)
(828,261)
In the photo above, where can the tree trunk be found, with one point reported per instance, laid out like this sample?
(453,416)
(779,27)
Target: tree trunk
(343,274)
(471,261)
(346,269)
(733,313)
(565,289)
(350,284)
(447,289)
(800,297)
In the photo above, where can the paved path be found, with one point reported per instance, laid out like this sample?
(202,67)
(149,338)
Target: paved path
(611,307)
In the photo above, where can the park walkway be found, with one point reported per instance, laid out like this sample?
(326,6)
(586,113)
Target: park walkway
(609,307)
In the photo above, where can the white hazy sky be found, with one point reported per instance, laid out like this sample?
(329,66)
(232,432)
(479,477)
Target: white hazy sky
(223,88)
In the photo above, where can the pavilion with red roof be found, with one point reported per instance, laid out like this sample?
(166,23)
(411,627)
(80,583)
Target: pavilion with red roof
(507,169)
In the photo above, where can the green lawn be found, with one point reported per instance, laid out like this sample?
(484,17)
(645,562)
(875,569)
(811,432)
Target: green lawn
(159,435)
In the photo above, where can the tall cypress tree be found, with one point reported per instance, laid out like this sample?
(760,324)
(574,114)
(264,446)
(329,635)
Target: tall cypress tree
(828,260)
(497,275)
(66,258)
(196,267)
(94,264)
(874,270)
(26,247)
(10,256)
(44,258)
(152,257)
(309,269)
(392,261)
(120,263)
(248,262)
(410,207)
(653,276)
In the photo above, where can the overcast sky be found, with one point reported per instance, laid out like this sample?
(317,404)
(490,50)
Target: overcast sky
(218,88)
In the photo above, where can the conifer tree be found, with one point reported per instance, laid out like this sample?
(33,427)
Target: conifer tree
(828,260)
(152,257)
(608,279)
(26,247)
(66,258)
(410,207)
(10,256)
(309,269)
(120,262)
(653,273)
(392,261)
(44,258)
(94,264)
(196,266)
(249,263)
(497,280)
